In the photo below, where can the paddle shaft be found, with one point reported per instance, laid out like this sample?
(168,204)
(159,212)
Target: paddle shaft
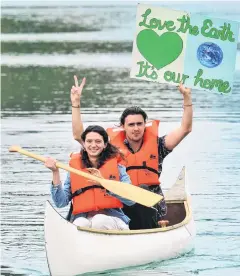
(60,165)
(122,189)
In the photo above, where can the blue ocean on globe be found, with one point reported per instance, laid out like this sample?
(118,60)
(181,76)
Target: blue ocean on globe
(209,54)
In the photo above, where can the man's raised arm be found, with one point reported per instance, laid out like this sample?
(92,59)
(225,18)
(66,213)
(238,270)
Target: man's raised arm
(177,135)
(77,125)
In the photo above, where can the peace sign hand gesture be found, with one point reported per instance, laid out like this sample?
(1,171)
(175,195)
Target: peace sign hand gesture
(76,91)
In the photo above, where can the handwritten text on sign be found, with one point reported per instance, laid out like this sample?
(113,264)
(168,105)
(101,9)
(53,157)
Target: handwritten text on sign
(172,47)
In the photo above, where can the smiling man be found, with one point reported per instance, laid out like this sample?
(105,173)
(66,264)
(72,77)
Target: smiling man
(143,148)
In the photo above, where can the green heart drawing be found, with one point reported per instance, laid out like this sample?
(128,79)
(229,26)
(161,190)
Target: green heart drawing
(159,50)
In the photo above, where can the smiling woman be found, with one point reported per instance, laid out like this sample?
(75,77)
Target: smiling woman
(92,205)
(96,147)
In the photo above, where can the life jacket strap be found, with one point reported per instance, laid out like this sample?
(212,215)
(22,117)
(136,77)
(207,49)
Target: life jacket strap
(78,192)
(82,190)
(143,167)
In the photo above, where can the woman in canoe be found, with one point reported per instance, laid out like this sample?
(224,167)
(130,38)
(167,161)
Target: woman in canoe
(92,205)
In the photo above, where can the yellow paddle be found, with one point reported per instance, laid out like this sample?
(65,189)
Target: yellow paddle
(122,189)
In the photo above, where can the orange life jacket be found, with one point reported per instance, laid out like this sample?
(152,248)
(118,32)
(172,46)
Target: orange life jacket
(93,199)
(142,166)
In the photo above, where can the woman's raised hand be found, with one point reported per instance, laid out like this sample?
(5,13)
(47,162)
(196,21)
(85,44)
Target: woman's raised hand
(76,91)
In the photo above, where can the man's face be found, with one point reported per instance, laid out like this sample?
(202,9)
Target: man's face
(134,127)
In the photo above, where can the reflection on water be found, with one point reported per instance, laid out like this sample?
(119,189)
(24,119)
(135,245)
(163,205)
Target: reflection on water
(66,47)
(47,89)
(91,37)
(43,47)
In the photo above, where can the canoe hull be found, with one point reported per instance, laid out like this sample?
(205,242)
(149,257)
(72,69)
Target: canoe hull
(71,251)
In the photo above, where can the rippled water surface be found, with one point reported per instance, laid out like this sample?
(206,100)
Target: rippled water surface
(42,47)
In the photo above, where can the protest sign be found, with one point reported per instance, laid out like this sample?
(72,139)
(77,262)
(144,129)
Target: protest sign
(173,46)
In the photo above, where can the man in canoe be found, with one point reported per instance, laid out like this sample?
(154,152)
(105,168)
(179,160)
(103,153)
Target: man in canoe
(144,150)
(92,205)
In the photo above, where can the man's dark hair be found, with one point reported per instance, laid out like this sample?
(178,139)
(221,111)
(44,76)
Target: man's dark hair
(133,110)
(109,152)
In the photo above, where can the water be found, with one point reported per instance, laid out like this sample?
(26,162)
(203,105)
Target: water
(42,47)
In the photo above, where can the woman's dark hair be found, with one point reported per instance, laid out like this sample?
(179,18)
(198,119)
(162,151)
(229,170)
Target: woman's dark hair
(109,152)
(133,110)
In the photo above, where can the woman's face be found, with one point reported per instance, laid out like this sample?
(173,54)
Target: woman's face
(94,144)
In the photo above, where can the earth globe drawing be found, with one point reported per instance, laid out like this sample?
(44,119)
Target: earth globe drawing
(209,54)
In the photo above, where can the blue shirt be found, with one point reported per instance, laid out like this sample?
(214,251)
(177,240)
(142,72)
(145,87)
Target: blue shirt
(61,196)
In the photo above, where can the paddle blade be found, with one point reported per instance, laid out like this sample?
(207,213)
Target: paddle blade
(14,148)
(131,192)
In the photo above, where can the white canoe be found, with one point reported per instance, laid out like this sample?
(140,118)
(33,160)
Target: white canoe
(73,250)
